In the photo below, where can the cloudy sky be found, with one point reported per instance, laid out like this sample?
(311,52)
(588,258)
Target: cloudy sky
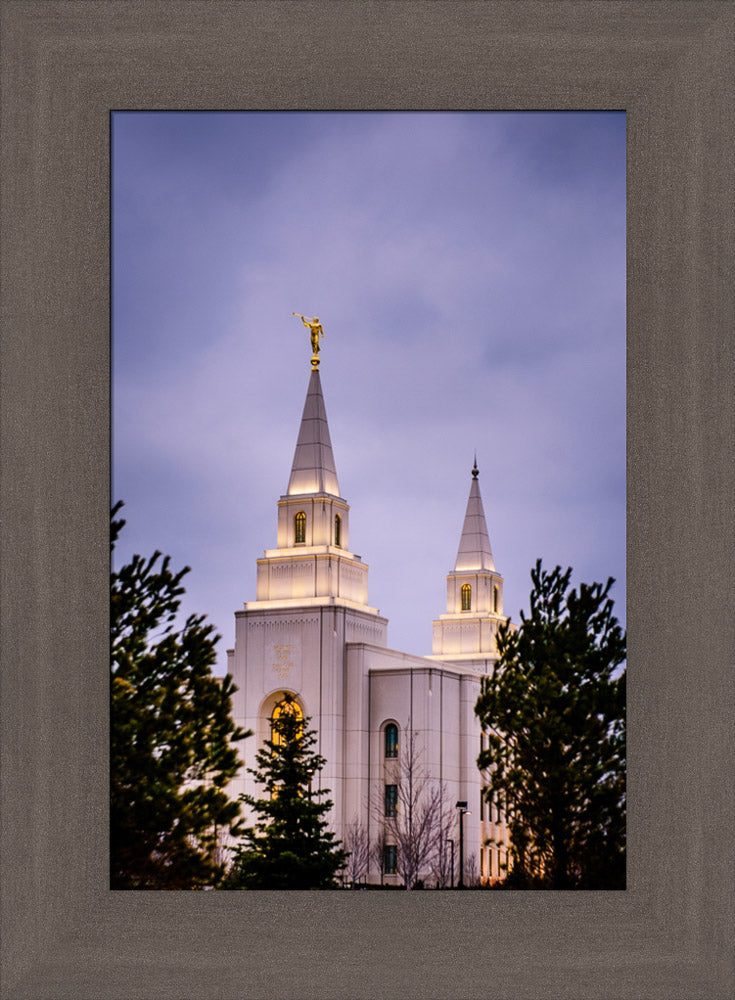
(469,272)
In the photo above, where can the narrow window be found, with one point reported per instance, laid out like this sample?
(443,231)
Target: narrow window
(391,800)
(495,600)
(391,740)
(466,597)
(337,530)
(390,859)
(300,528)
(482,806)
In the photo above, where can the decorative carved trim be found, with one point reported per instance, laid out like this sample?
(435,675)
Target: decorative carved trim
(279,624)
(299,567)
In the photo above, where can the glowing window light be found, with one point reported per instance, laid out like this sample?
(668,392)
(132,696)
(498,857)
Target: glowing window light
(300,528)
(285,708)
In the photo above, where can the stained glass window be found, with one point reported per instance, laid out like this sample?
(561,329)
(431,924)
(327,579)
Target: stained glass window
(391,740)
(466,597)
(300,527)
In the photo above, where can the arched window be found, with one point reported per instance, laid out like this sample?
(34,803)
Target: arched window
(391,740)
(299,528)
(466,597)
(495,600)
(337,530)
(286,707)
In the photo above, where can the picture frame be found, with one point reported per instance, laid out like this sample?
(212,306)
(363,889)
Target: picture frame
(66,67)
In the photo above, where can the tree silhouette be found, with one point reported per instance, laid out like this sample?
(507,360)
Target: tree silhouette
(171,734)
(553,710)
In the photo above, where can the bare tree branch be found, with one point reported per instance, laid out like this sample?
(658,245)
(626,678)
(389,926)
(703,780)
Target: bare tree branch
(377,849)
(472,875)
(441,864)
(418,825)
(355,841)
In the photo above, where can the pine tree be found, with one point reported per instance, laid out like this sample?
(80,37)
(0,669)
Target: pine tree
(172,734)
(289,847)
(553,710)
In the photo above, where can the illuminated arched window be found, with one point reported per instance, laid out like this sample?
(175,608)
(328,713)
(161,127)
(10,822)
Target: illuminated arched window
(337,530)
(300,527)
(495,599)
(466,597)
(391,740)
(287,707)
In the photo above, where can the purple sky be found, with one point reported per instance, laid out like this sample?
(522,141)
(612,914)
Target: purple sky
(469,272)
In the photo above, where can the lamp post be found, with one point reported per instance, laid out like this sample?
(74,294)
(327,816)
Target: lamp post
(463,811)
(451,844)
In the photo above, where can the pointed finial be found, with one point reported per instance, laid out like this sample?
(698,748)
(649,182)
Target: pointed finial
(475,470)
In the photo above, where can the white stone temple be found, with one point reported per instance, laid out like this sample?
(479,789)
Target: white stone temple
(311,633)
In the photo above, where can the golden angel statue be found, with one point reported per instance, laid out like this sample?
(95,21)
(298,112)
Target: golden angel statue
(315,329)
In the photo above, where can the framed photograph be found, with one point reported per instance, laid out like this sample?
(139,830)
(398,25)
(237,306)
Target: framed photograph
(461,419)
(67,68)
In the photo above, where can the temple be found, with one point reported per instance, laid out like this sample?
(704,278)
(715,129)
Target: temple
(393,727)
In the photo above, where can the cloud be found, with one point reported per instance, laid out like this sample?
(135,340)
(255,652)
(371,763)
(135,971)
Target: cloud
(469,271)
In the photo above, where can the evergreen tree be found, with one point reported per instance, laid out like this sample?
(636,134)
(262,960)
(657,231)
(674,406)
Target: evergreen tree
(172,734)
(554,713)
(289,847)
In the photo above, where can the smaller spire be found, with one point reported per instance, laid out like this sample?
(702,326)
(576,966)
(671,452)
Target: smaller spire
(474,551)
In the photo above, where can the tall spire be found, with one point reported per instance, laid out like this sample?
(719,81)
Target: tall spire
(313,468)
(474,551)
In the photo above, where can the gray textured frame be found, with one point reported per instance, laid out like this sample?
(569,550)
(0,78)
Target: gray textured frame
(65,65)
